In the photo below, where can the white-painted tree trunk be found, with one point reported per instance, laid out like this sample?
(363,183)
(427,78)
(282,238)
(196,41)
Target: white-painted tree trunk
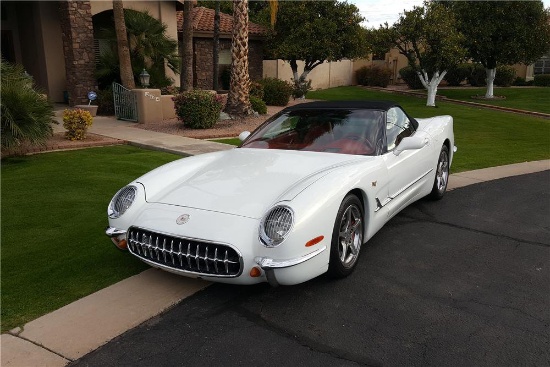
(431,84)
(491,73)
(301,77)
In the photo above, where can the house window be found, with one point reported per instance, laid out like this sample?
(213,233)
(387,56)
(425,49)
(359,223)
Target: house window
(542,66)
(224,57)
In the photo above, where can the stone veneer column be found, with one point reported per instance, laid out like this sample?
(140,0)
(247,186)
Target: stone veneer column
(78,46)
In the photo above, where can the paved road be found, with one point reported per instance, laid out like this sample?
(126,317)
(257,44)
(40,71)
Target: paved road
(460,282)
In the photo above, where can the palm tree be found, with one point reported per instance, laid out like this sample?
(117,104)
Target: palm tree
(238,100)
(126,75)
(216,47)
(186,76)
(149,48)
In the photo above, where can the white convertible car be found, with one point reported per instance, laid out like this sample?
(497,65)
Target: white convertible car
(298,198)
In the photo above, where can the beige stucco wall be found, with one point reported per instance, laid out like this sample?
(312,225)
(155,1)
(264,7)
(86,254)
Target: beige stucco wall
(326,75)
(165,11)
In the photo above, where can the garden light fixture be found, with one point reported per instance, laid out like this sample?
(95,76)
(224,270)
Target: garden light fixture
(144,78)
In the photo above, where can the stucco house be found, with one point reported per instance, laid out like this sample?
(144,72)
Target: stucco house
(57,43)
(54,41)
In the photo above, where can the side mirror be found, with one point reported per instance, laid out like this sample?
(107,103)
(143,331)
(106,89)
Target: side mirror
(410,143)
(244,135)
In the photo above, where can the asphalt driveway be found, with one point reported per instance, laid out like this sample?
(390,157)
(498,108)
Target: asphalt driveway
(460,282)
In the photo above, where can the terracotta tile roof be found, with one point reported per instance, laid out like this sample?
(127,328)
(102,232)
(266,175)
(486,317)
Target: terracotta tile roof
(203,21)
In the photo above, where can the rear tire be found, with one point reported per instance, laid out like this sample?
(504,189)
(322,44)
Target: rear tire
(441,175)
(347,237)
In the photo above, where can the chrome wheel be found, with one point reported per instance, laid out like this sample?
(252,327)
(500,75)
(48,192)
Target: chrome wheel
(347,237)
(351,236)
(441,174)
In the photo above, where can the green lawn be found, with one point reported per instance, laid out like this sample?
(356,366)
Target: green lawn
(530,99)
(54,213)
(230,141)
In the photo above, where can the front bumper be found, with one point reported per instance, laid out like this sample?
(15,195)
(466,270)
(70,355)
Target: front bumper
(269,265)
(277,271)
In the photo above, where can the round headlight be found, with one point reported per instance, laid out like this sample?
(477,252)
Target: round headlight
(122,201)
(276,224)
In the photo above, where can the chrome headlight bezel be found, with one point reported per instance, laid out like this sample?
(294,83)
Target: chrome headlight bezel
(270,226)
(122,201)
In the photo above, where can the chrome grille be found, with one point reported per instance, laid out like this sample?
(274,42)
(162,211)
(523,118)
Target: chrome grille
(184,254)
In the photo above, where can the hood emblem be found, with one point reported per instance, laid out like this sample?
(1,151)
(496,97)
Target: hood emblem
(182,219)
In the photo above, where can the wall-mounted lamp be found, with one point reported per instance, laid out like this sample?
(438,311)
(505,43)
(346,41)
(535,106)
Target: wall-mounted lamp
(144,78)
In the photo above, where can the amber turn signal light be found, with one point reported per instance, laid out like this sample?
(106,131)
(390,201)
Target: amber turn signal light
(314,241)
(255,272)
(120,244)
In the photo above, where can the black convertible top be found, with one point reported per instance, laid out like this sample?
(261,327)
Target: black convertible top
(369,105)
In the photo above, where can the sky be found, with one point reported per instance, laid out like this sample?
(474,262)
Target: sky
(379,11)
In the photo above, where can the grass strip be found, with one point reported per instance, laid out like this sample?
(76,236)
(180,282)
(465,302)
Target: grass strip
(54,212)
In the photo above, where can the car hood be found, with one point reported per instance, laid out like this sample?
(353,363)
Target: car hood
(244,182)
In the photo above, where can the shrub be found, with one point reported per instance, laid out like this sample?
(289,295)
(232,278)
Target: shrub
(542,80)
(409,76)
(76,122)
(478,76)
(380,77)
(456,75)
(26,115)
(276,92)
(361,75)
(258,105)
(198,109)
(519,82)
(373,76)
(256,90)
(505,76)
(105,102)
(301,88)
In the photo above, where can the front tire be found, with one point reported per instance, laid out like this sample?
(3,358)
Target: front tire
(441,175)
(347,237)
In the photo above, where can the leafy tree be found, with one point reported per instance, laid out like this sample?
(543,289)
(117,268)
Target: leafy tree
(150,48)
(428,38)
(238,100)
(316,31)
(503,33)
(26,114)
(122,45)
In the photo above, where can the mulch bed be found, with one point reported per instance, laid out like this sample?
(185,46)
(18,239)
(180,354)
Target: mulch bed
(59,142)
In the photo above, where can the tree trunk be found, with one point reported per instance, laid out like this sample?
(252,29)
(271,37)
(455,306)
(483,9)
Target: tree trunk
(186,76)
(431,84)
(126,72)
(238,101)
(216,47)
(491,73)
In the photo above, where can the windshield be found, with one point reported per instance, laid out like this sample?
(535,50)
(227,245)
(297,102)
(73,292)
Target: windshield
(344,131)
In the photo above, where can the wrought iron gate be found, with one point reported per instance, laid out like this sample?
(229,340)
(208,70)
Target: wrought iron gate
(125,103)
